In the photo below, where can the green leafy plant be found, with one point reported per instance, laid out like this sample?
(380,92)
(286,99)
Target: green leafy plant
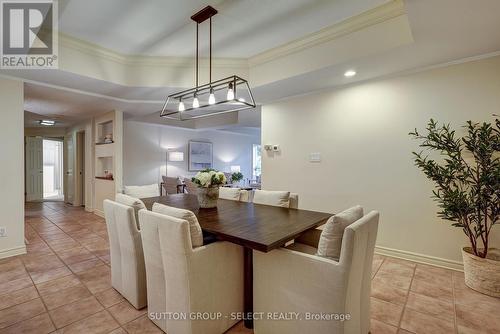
(466,177)
(236,177)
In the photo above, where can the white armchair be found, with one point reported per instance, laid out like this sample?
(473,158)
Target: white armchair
(128,273)
(207,279)
(291,281)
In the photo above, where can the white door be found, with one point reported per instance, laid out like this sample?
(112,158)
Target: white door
(34,169)
(70,165)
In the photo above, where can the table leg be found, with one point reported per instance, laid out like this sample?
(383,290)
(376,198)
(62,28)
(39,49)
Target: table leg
(248,287)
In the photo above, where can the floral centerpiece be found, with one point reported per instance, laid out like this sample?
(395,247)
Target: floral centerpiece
(208,182)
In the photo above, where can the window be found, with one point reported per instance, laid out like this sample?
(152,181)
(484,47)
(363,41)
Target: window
(256,162)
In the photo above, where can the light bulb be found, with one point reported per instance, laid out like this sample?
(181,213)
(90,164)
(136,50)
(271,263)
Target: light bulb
(196,103)
(181,106)
(211,98)
(230,92)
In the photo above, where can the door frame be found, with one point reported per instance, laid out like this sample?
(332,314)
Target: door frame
(86,127)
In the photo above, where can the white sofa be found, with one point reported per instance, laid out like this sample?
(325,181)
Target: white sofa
(206,279)
(128,273)
(291,281)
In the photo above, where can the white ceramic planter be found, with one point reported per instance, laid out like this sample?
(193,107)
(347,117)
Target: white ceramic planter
(207,197)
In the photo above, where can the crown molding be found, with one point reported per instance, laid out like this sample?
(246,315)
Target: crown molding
(371,17)
(94,50)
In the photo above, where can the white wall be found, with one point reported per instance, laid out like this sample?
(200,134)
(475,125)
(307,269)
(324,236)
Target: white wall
(12,167)
(145,146)
(362,134)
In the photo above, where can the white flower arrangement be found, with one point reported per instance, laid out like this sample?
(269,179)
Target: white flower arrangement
(209,178)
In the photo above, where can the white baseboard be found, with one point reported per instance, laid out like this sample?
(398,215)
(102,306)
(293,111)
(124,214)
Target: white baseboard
(99,213)
(420,258)
(12,252)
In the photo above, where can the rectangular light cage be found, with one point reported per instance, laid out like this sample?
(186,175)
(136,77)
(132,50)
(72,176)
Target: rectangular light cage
(230,94)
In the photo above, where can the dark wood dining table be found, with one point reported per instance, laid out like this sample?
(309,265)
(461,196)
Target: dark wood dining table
(253,226)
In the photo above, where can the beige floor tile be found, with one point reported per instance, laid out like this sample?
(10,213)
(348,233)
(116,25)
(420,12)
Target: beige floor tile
(74,255)
(16,284)
(431,306)
(401,282)
(80,267)
(124,312)
(42,263)
(73,312)
(99,323)
(142,325)
(20,312)
(432,289)
(468,317)
(18,297)
(109,297)
(388,293)
(11,271)
(96,279)
(420,323)
(41,324)
(396,268)
(49,275)
(378,327)
(118,331)
(65,296)
(472,299)
(58,284)
(386,312)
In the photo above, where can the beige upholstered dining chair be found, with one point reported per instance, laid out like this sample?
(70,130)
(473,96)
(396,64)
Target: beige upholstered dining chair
(191,188)
(150,190)
(291,281)
(128,273)
(207,279)
(233,194)
(276,198)
(170,184)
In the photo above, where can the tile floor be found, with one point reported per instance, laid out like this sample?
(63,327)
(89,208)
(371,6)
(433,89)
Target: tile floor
(63,286)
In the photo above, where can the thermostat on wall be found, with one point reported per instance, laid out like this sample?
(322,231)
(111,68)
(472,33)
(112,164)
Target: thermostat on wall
(315,157)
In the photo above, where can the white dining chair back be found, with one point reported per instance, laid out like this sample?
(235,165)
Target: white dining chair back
(303,282)
(128,273)
(183,280)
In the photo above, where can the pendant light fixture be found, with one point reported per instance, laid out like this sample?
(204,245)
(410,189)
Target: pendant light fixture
(213,98)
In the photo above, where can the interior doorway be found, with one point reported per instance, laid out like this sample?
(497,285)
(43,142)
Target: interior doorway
(53,170)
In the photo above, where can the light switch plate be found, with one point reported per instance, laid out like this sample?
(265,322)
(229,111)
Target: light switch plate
(315,157)
(3,231)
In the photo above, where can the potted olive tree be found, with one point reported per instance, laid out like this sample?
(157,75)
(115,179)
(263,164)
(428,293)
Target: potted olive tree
(466,174)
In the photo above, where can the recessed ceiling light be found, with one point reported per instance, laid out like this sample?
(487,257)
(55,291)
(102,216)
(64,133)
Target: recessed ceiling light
(47,122)
(350,73)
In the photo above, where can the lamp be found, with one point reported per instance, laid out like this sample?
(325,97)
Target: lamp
(235,169)
(175,156)
(215,97)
